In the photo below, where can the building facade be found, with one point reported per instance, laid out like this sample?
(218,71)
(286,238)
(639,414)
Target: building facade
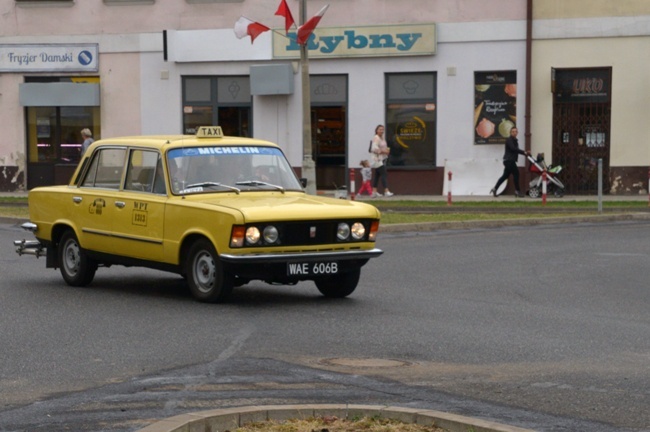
(447,78)
(590,91)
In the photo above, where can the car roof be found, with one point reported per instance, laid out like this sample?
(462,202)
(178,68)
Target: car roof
(168,142)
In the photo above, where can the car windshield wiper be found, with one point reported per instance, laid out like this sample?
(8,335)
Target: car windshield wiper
(210,184)
(259,183)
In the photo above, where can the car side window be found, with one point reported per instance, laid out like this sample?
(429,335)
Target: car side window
(145,172)
(105,169)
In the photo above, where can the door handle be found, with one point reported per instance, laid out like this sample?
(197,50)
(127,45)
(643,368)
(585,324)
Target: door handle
(77,199)
(120,204)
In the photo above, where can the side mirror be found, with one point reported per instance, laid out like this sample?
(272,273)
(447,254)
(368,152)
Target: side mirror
(303,182)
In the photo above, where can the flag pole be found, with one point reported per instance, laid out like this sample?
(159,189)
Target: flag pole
(308,164)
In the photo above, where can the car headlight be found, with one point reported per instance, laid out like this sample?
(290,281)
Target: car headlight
(358,230)
(270,234)
(252,235)
(343,231)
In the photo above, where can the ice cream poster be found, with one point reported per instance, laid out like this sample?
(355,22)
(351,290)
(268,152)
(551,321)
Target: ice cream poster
(495,106)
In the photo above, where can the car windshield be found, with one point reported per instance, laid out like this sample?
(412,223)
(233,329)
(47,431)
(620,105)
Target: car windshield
(230,168)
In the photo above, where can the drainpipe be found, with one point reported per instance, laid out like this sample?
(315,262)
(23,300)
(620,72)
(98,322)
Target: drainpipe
(529,48)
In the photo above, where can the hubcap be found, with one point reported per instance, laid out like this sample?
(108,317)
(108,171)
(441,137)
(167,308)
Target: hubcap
(71,257)
(204,272)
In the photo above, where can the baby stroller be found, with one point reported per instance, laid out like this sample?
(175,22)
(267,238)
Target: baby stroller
(554,185)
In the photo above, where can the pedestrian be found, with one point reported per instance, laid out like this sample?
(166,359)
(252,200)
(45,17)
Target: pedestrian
(510,163)
(87,136)
(366,177)
(379,151)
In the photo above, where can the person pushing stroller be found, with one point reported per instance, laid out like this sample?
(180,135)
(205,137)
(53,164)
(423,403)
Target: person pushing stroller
(510,163)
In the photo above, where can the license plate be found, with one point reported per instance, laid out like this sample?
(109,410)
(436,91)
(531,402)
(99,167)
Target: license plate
(312,268)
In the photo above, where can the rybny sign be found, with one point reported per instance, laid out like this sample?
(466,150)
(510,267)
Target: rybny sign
(372,41)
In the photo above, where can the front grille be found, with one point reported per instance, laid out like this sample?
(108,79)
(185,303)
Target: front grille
(304,233)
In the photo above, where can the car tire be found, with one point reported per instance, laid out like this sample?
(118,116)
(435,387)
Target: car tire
(76,267)
(340,285)
(534,192)
(205,276)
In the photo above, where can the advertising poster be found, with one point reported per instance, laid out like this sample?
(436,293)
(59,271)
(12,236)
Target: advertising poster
(495,106)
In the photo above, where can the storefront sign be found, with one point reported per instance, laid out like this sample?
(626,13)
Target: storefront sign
(375,41)
(581,85)
(49,58)
(495,106)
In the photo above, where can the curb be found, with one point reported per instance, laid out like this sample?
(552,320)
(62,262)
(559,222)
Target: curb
(11,220)
(499,223)
(221,420)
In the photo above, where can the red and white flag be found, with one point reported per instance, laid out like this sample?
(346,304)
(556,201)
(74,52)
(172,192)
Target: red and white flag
(305,30)
(283,10)
(245,27)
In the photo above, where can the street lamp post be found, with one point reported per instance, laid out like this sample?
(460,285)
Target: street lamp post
(308,164)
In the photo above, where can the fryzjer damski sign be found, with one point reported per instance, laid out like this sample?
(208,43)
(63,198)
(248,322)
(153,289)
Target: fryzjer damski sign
(49,58)
(373,41)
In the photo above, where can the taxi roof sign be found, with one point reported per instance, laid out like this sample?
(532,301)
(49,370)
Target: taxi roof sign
(209,132)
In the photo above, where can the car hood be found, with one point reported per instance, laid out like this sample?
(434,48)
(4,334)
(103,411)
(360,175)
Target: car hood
(290,206)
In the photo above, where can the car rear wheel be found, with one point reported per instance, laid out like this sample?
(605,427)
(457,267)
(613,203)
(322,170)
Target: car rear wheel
(534,192)
(76,267)
(340,285)
(205,275)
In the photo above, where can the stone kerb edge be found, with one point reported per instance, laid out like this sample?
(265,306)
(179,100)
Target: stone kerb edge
(221,420)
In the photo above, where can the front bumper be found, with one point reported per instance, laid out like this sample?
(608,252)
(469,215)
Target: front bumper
(273,267)
(302,256)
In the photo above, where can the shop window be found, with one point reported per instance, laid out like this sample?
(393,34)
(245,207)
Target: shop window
(54,133)
(223,101)
(411,119)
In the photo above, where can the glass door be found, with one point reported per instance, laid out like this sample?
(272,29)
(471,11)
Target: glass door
(54,142)
(328,146)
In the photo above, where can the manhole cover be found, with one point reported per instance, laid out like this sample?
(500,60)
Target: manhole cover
(364,362)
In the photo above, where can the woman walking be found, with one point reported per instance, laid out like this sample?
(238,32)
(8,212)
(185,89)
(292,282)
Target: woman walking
(379,151)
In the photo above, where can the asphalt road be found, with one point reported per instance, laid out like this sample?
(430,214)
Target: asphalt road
(543,327)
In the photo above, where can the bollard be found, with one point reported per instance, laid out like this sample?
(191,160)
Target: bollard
(352,186)
(600,185)
(449,190)
(544,187)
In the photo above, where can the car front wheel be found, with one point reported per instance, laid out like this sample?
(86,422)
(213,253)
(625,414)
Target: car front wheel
(340,285)
(76,267)
(205,275)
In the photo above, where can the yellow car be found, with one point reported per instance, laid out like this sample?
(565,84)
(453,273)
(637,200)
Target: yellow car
(218,210)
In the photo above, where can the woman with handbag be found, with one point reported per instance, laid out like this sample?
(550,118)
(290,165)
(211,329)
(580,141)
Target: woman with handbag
(379,151)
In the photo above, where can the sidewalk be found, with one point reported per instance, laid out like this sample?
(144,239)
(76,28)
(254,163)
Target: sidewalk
(508,197)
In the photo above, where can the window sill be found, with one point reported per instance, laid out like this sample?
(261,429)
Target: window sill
(49,3)
(128,2)
(213,1)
